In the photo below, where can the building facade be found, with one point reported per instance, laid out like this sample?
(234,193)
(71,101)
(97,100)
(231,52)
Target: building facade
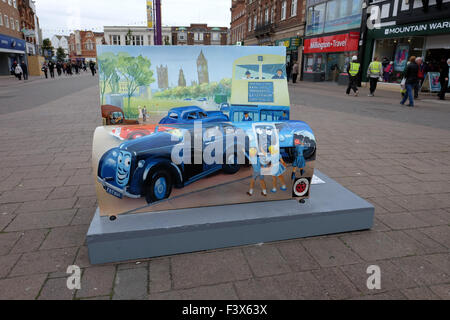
(129,35)
(83,45)
(332,37)
(27,11)
(399,29)
(238,29)
(277,23)
(199,34)
(12,44)
(59,41)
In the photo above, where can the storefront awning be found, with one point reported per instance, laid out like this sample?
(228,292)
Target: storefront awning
(12,51)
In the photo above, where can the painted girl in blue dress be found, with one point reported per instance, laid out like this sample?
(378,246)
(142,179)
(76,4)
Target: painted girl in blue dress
(279,167)
(299,159)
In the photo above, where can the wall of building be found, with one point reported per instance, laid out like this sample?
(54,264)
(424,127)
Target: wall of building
(238,30)
(11,12)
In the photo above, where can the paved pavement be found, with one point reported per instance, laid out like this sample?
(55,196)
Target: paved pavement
(395,157)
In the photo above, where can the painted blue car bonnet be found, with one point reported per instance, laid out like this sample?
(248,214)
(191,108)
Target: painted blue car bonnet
(155,142)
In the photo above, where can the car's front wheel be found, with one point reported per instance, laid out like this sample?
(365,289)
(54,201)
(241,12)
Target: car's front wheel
(159,186)
(231,165)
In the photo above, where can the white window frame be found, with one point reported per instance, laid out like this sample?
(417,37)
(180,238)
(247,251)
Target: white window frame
(255,22)
(17,25)
(6,21)
(283,10)
(137,40)
(1,19)
(266,15)
(115,39)
(249,24)
(294,7)
(272,14)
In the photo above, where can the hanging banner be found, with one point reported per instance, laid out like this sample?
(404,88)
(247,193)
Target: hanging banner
(149,14)
(401,57)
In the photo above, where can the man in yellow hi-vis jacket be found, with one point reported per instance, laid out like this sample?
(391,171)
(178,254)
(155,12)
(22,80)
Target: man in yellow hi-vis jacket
(374,73)
(353,71)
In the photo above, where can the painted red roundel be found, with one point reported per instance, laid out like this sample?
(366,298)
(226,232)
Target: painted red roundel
(301,187)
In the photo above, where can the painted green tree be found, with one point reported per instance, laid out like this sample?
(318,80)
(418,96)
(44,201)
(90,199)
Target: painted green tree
(108,74)
(136,71)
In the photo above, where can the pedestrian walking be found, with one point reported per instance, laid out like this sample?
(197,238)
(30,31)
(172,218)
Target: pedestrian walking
(76,68)
(374,72)
(18,71)
(92,67)
(24,70)
(69,69)
(444,76)
(353,73)
(420,76)
(288,70)
(45,69)
(13,68)
(58,68)
(64,68)
(411,73)
(51,68)
(295,72)
(387,71)
(144,114)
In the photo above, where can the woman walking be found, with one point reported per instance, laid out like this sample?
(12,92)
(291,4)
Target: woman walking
(411,73)
(295,72)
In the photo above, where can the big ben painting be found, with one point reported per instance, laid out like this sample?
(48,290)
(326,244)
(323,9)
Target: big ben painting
(202,69)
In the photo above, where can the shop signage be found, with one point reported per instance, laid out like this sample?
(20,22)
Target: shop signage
(415,29)
(28,33)
(11,43)
(289,43)
(337,43)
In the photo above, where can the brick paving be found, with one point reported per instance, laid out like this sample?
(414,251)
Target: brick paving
(396,158)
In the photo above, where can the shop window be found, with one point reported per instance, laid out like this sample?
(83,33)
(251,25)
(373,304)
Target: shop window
(343,15)
(315,19)
(315,62)
(395,53)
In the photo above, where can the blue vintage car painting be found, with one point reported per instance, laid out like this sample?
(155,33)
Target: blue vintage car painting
(191,114)
(144,167)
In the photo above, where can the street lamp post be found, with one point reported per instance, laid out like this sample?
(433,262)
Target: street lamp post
(158,33)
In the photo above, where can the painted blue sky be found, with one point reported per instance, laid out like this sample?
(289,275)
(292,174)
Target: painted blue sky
(220,59)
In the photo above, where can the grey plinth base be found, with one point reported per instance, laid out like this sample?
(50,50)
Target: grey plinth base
(331,209)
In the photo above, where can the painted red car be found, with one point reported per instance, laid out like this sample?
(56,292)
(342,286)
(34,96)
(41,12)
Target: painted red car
(137,131)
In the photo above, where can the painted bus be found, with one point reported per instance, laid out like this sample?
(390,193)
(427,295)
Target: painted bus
(259,89)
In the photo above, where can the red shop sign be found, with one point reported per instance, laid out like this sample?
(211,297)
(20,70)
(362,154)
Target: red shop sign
(337,43)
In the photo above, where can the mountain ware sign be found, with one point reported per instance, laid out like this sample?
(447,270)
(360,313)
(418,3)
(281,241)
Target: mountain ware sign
(416,29)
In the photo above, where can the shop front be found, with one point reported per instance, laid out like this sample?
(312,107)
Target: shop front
(11,49)
(394,45)
(327,58)
(292,45)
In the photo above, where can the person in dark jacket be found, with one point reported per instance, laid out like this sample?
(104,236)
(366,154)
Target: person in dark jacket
(443,78)
(25,70)
(411,73)
(51,68)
